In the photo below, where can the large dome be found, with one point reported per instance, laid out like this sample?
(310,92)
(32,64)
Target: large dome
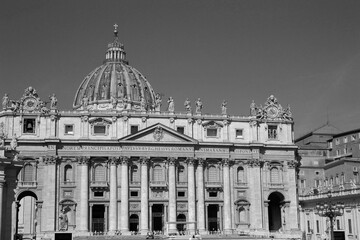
(115,85)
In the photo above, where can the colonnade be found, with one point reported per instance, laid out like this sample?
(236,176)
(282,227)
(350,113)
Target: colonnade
(195,195)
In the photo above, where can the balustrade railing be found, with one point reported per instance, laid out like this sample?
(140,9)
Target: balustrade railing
(27,184)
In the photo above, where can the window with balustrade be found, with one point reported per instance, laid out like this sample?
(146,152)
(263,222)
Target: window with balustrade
(68,173)
(134,174)
(275,175)
(213,174)
(99,173)
(158,173)
(241,174)
(181,174)
(28,173)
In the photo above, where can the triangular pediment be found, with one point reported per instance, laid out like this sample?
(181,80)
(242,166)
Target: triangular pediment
(159,133)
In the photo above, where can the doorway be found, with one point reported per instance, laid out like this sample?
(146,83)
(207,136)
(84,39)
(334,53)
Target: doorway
(213,223)
(157,213)
(181,218)
(63,236)
(274,210)
(134,223)
(98,218)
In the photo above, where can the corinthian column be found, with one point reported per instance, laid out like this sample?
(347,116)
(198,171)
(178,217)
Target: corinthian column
(113,196)
(191,195)
(200,196)
(83,215)
(144,196)
(124,218)
(172,195)
(227,200)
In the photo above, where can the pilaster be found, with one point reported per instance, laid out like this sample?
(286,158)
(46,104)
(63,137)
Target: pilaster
(172,195)
(227,200)
(83,213)
(255,195)
(144,196)
(200,196)
(113,162)
(124,218)
(191,195)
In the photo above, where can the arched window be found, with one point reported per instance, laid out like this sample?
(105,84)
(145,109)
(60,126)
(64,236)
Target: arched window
(157,173)
(181,174)
(68,173)
(240,174)
(213,174)
(274,175)
(99,173)
(134,177)
(28,173)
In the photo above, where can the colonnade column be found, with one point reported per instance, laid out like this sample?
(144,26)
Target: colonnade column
(172,195)
(144,196)
(1,204)
(200,196)
(227,200)
(191,195)
(83,215)
(124,218)
(113,195)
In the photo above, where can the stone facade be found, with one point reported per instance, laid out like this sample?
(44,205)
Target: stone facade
(119,164)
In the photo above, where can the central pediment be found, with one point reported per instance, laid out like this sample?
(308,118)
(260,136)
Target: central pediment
(158,133)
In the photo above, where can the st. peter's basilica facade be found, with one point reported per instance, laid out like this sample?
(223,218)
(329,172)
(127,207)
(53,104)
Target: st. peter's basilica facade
(121,163)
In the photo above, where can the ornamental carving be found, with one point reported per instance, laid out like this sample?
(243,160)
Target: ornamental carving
(255,162)
(292,164)
(83,160)
(113,161)
(144,160)
(50,160)
(271,110)
(134,206)
(201,161)
(172,161)
(158,133)
(190,161)
(84,118)
(124,160)
(226,162)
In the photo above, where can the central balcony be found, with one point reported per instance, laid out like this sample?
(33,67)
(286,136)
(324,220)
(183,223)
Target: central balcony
(27,184)
(158,184)
(218,186)
(99,185)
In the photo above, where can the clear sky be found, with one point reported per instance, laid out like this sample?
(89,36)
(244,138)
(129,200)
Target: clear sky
(306,53)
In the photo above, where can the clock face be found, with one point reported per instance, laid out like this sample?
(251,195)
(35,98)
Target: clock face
(30,104)
(272,112)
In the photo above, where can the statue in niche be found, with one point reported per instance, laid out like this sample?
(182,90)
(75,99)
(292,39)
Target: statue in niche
(253,108)
(13,143)
(53,101)
(105,91)
(5,101)
(64,221)
(171,105)
(187,105)
(85,102)
(158,101)
(199,106)
(113,102)
(224,107)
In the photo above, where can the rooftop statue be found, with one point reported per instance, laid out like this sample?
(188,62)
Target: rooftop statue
(158,101)
(199,106)
(5,101)
(253,108)
(53,102)
(224,107)
(187,105)
(171,105)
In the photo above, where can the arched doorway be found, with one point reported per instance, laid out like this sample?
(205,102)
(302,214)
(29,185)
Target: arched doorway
(181,218)
(134,223)
(26,212)
(276,199)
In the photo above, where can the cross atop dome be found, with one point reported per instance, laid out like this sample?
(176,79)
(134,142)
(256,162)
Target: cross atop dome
(115,30)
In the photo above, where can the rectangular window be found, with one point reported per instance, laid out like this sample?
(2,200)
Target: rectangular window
(337,224)
(134,193)
(180,129)
(29,125)
(345,139)
(134,129)
(98,194)
(308,227)
(100,130)
(181,194)
(211,132)
(317,226)
(272,132)
(317,183)
(213,194)
(69,129)
(350,227)
(302,183)
(239,133)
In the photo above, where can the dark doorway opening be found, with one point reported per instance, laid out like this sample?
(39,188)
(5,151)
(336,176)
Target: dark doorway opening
(213,222)
(63,236)
(134,223)
(157,213)
(339,235)
(181,218)
(98,218)
(274,209)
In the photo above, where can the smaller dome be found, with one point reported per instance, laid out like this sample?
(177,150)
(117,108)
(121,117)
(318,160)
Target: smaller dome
(115,84)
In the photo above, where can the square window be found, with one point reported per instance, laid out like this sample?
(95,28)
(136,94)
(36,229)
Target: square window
(69,129)
(239,133)
(134,129)
(272,132)
(100,130)
(211,132)
(181,194)
(213,194)
(180,129)
(134,193)
(98,194)
(29,125)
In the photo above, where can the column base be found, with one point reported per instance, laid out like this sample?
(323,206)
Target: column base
(125,232)
(144,231)
(202,231)
(228,231)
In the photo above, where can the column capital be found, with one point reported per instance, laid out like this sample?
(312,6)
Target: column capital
(144,160)
(255,162)
(124,160)
(292,164)
(50,160)
(172,161)
(201,161)
(83,160)
(113,161)
(190,161)
(225,162)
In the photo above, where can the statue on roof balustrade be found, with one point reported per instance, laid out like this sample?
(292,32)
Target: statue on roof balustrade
(187,105)
(199,106)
